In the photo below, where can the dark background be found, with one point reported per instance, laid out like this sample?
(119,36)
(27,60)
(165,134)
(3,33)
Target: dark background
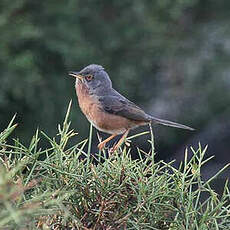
(170,57)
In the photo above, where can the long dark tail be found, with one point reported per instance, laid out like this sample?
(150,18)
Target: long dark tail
(170,123)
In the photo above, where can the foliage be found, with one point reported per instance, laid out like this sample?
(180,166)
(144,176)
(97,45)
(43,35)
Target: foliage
(57,188)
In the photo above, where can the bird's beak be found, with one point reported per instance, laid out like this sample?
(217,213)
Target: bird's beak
(76,74)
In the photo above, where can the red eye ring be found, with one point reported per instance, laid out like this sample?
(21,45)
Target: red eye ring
(89,78)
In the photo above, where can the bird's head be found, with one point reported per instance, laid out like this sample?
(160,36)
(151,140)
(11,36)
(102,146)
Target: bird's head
(93,76)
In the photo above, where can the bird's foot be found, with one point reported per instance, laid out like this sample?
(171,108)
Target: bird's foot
(120,142)
(113,149)
(101,145)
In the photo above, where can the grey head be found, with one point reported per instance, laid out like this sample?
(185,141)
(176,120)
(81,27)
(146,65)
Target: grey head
(94,77)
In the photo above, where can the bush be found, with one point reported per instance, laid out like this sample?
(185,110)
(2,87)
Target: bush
(59,187)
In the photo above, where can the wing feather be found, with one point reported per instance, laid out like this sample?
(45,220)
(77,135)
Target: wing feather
(123,107)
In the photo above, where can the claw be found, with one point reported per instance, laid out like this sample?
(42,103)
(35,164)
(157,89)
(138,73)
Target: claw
(103,143)
(119,143)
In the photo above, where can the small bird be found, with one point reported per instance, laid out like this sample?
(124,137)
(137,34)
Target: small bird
(108,110)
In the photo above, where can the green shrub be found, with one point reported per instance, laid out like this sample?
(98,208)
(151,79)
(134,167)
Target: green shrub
(57,188)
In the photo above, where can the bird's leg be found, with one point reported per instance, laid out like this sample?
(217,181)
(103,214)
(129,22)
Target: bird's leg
(102,144)
(119,143)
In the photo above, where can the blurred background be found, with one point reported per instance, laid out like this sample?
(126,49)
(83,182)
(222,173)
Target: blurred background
(170,57)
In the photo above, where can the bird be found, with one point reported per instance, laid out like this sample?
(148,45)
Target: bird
(106,109)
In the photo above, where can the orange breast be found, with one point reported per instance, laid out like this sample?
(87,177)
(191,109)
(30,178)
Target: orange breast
(85,100)
(102,120)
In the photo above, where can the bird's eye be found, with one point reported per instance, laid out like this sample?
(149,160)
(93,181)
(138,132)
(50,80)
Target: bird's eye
(89,78)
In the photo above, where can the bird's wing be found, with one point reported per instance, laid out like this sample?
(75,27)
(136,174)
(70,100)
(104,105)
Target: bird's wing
(123,107)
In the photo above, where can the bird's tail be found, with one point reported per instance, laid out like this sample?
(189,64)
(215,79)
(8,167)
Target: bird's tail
(170,123)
